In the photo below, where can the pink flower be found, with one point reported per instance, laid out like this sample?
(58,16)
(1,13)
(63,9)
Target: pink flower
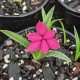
(43,39)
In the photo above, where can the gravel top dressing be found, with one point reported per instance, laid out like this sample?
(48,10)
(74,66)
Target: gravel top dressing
(74,4)
(17,8)
(17,64)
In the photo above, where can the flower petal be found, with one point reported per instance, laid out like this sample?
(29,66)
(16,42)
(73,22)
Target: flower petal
(34,37)
(41,28)
(34,46)
(53,44)
(49,34)
(44,47)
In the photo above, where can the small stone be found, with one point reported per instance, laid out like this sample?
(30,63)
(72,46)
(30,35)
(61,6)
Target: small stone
(16,14)
(64,62)
(68,40)
(24,3)
(7,61)
(11,78)
(29,67)
(24,8)
(5,66)
(67,79)
(9,42)
(55,29)
(71,52)
(34,75)
(74,68)
(47,65)
(25,56)
(40,70)
(2,7)
(19,64)
(6,14)
(4,73)
(4,50)
(22,61)
(38,73)
(62,0)
(22,52)
(6,57)
(17,56)
(20,78)
(56,72)
(76,78)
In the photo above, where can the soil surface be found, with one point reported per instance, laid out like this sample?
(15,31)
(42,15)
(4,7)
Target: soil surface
(17,8)
(74,4)
(16,63)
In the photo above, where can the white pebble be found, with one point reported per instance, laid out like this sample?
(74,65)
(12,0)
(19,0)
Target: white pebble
(4,50)
(62,0)
(2,6)
(76,78)
(40,70)
(69,0)
(56,72)
(42,79)
(6,57)
(74,68)
(24,8)
(24,3)
(64,62)
(71,52)
(22,61)
(78,9)
(34,75)
(47,65)
(20,78)
(19,64)
(7,61)
(16,56)
(68,40)
(16,14)
(22,52)
(5,66)
(6,14)
(11,78)
(67,79)
(55,29)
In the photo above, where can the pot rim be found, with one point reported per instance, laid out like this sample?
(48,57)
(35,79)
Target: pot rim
(26,14)
(67,7)
(33,27)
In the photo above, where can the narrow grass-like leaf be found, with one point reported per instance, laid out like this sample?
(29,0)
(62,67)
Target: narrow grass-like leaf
(64,32)
(43,14)
(16,37)
(77,55)
(47,17)
(52,22)
(58,55)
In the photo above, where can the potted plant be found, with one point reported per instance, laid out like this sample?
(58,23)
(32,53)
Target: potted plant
(16,15)
(69,11)
(49,53)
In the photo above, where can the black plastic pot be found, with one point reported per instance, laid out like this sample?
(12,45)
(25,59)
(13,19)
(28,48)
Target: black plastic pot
(33,28)
(17,23)
(70,16)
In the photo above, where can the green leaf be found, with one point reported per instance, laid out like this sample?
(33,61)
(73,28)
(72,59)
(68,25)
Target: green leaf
(48,17)
(43,14)
(58,55)
(37,55)
(18,0)
(64,32)
(77,55)
(52,22)
(16,37)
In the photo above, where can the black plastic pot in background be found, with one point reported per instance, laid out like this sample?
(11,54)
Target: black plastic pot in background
(70,17)
(17,23)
